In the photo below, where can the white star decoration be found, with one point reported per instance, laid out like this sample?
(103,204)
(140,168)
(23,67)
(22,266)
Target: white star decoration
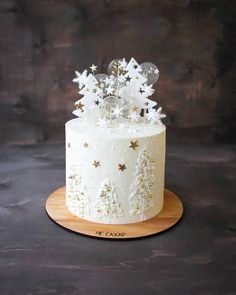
(110,90)
(106,81)
(134,116)
(93,68)
(111,82)
(117,111)
(155,116)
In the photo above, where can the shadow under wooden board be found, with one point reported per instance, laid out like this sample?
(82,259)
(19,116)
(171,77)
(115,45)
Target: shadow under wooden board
(170,214)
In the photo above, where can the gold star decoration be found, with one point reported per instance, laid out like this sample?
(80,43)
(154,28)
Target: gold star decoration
(96,163)
(134,109)
(121,167)
(85,145)
(93,68)
(133,144)
(79,106)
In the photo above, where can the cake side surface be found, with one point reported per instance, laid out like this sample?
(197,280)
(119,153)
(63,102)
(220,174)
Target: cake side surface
(114,175)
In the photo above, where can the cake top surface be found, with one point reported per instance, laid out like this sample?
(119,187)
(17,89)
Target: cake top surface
(124,130)
(119,98)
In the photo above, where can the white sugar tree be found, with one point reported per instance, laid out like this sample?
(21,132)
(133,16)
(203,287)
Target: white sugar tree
(141,198)
(130,83)
(77,197)
(91,92)
(136,90)
(107,204)
(88,105)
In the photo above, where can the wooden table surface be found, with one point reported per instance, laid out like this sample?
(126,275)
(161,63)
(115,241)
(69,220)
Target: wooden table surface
(195,257)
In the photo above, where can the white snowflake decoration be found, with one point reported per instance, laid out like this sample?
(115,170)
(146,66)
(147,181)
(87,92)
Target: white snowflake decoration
(117,111)
(155,116)
(134,116)
(80,78)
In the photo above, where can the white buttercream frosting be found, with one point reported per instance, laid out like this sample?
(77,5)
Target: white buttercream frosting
(110,157)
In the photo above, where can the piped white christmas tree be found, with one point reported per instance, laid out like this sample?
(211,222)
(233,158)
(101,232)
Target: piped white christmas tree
(77,201)
(141,198)
(107,204)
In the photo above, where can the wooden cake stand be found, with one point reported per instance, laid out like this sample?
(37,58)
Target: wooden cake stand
(170,214)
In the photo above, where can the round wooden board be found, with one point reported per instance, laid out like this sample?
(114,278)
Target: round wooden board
(170,215)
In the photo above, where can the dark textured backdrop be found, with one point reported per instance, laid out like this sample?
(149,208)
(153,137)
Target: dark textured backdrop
(43,42)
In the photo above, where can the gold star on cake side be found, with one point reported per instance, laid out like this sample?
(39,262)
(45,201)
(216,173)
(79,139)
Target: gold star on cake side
(133,144)
(96,163)
(121,167)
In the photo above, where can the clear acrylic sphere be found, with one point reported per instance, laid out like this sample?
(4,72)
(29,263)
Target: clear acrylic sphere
(109,103)
(113,67)
(150,71)
(100,77)
(118,82)
(129,107)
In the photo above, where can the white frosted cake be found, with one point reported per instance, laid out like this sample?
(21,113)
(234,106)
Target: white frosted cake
(115,158)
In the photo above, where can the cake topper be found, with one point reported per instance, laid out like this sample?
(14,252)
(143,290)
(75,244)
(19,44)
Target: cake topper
(119,96)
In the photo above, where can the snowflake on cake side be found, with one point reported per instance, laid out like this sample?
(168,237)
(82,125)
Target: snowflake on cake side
(119,97)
